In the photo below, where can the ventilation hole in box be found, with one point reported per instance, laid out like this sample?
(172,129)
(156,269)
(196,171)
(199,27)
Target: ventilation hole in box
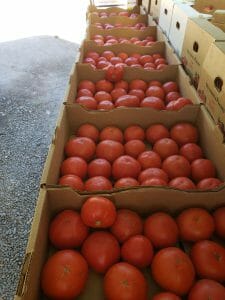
(165,11)
(195,47)
(218,82)
(156,2)
(178,25)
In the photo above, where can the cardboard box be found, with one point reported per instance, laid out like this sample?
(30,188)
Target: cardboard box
(146,4)
(208,6)
(212,82)
(52,201)
(118,19)
(165,15)
(219,16)
(199,36)
(155,9)
(219,25)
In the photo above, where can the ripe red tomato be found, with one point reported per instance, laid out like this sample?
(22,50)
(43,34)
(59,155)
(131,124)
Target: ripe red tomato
(111,133)
(88,130)
(166,296)
(178,104)
(128,223)
(134,148)
(209,260)
(219,219)
(156,132)
(99,167)
(209,183)
(109,150)
(154,182)
(80,146)
(122,84)
(125,166)
(191,151)
(175,263)
(149,159)
(153,173)
(104,85)
(114,73)
(206,289)
(176,166)
(126,182)
(117,92)
(87,84)
(67,230)
(64,275)
(195,224)
(92,54)
(101,250)
(170,86)
(84,92)
(146,59)
(184,133)
(202,168)
(155,91)
(131,61)
(102,64)
(87,102)
(127,100)
(138,84)
(138,93)
(153,102)
(98,212)
(115,60)
(101,96)
(108,54)
(182,183)
(97,183)
(125,282)
(161,229)
(172,96)
(73,181)
(74,166)
(134,132)
(105,105)
(123,55)
(166,147)
(154,83)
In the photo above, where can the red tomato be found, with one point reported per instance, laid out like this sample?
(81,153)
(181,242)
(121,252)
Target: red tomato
(126,182)
(149,159)
(191,151)
(125,166)
(101,96)
(154,182)
(173,270)
(123,55)
(64,275)
(127,100)
(176,166)
(123,13)
(84,92)
(87,84)
(209,260)
(108,54)
(202,168)
(97,183)
(155,91)
(156,132)
(116,60)
(166,147)
(111,133)
(98,212)
(130,61)
(153,102)
(178,104)
(155,83)
(73,181)
(161,229)
(80,146)
(122,84)
(74,166)
(114,73)
(219,219)
(87,102)
(67,230)
(184,133)
(125,282)
(166,296)
(89,60)
(172,96)
(104,85)
(102,64)
(150,66)
(182,183)
(146,59)
(105,105)
(136,55)
(99,167)
(206,289)
(134,132)
(101,250)
(170,86)
(209,183)
(109,150)
(137,251)
(117,92)
(195,224)
(138,93)
(88,130)
(128,223)
(134,148)
(138,84)
(92,54)
(153,173)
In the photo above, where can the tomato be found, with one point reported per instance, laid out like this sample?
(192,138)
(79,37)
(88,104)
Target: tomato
(138,93)
(202,168)
(109,150)
(209,183)
(149,159)
(126,182)
(134,148)
(176,166)
(117,92)
(191,151)
(137,84)
(74,166)
(173,270)
(153,102)
(134,132)
(156,132)
(219,219)
(166,296)
(99,42)
(136,55)
(182,183)
(131,61)
(108,54)
(127,100)
(166,147)
(155,91)
(105,105)
(125,166)
(206,289)
(195,224)
(154,182)
(161,229)
(98,212)
(178,104)
(89,131)
(123,13)
(73,181)
(209,260)
(111,133)
(97,183)
(150,66)
(170,86)
(102,64)
(89,60)
(172,96)
(123,55)
(92,54)
(128,223)
(155,83)
(146,59)
(99,167)
(84,92)
(80,146)
(125,282)
(104,85)
(101,250)
(87,84)
(184,133)
(87,102)
(116,60)
(122,84)
(160,61)
(153,173)
(101,96)
(114,73)
(64,275)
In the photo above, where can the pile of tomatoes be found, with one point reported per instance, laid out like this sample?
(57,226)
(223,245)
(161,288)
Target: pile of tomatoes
(108,40)
(120,244)
(106,95)
(107,26)
(158,156)
(113,14)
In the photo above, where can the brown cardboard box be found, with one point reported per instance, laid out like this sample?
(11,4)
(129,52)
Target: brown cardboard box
(52,201)
(199,36)
(208,6)
(219,25)
(219,16)
(118,19)
(155,9)
(212,81)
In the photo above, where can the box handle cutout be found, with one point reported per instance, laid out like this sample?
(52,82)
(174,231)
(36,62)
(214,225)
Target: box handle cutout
(218,82)
(195,47)
(178,25)
(165,11)
(156,2)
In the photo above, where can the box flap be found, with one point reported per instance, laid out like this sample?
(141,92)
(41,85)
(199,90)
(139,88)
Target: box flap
(219,16)
(208,27)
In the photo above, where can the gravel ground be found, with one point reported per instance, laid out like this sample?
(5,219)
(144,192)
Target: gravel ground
(33,77)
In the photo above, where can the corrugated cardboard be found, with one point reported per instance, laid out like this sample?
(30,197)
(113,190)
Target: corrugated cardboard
(199,36)
(219,16)
(155,9)
(209,6)
(212,81)
(118,19)
(165,15)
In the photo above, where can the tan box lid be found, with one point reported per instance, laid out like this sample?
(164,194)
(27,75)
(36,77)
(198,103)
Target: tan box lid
(219,16)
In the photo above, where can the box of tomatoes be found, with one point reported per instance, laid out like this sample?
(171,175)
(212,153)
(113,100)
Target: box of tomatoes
(119,21)
(120,245)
